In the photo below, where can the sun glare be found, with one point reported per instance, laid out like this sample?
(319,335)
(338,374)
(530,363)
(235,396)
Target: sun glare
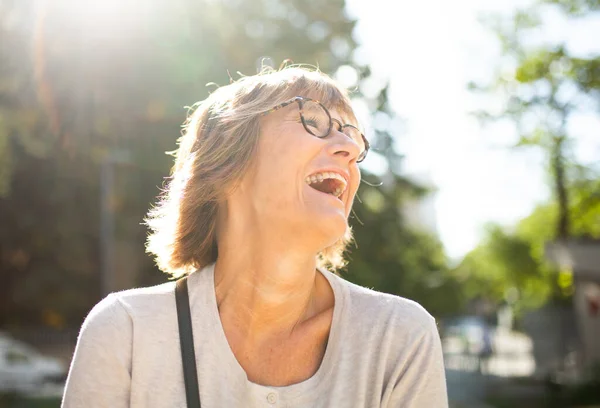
(99,15)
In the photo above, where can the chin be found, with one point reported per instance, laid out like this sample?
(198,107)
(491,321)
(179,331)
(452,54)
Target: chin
(331,231)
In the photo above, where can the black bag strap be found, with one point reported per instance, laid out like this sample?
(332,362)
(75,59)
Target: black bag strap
(186,339)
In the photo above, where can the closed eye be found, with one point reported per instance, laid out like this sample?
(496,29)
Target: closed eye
(312,121)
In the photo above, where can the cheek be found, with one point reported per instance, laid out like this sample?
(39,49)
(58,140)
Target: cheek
(285,153)
(276,178)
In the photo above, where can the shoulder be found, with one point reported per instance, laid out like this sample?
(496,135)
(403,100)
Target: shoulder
(150,299)
(385,315)
(118,310)
(394,309)
(395,333)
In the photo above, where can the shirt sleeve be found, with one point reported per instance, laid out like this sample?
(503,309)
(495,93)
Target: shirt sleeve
(100,372)
(422,382)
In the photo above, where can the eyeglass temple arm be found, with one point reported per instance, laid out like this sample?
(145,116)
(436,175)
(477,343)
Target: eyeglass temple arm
(284,104)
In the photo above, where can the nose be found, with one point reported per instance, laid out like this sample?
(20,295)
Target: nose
(340,145)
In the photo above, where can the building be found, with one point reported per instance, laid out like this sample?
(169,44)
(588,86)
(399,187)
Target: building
(582,256)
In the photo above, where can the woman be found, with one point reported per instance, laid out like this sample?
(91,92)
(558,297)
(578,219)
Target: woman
(256,210)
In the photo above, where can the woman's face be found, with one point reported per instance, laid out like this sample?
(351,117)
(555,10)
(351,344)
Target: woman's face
(281,188)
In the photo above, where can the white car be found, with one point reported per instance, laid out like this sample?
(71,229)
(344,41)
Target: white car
(24,370)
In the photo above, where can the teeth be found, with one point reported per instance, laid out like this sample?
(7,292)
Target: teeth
(328,175)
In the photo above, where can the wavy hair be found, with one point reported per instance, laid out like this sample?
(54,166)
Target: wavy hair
(218,143)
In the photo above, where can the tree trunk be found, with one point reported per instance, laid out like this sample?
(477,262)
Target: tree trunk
(558,168)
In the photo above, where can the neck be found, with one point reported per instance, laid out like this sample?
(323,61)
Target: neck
(265,294)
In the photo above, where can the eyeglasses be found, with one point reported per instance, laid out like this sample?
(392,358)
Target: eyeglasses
(317,121)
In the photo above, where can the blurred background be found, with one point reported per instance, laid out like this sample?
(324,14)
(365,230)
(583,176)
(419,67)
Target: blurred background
(485,198)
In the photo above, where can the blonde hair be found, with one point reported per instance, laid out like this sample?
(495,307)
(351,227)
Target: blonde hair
(217,145)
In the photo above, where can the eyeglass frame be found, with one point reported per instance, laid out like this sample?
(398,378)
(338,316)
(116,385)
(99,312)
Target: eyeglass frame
(300,100)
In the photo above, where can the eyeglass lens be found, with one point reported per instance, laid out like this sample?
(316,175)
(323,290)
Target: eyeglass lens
(318,122)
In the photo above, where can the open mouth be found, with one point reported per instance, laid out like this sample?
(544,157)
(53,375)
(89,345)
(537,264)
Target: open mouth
(327,182)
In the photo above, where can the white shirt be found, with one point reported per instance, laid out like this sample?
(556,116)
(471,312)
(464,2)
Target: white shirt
(383,351)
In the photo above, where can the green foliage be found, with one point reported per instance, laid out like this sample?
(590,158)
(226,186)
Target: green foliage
(511,262)
(16,401)
(576,7)
(500,264)
(515,259)
(556,66)
(543,85)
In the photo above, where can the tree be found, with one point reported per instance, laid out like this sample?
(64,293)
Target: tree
(543,86)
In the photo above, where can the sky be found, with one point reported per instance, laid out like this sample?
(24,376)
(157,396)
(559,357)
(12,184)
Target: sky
(430,51)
